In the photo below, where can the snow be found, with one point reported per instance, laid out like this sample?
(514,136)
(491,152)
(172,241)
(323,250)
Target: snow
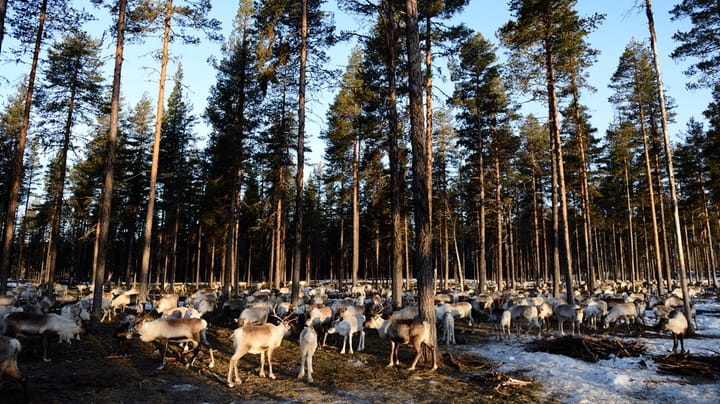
(626,380)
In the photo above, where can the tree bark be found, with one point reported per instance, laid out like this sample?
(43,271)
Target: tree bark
(297,250)
(396,178)
(51,256)
(423,234)
(106,198)
(17,167)
(670,172)
(147,245)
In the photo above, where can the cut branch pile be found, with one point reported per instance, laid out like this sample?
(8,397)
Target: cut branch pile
(589,349)
(689,365)
(485,370)
(467,362)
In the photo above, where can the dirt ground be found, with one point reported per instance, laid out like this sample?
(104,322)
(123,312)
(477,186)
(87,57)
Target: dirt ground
(90,371)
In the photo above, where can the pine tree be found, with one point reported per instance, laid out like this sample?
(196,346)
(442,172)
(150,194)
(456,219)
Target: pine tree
(70,91)
(542,33)
(233,111)
(343,152)
(701,41)
(485,117)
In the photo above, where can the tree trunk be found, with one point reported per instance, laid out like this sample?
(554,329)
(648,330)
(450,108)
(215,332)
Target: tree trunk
(482,224)
(356,215)
(297,250)
(584,187)
(670,172)
(17,167)
(656,237)
(631,232)
(106,197)
(536,226)
(555,128)
(52,250)
(663,226)
(396,176)
(428,111)
(423,233)
(498,217)
(147,245)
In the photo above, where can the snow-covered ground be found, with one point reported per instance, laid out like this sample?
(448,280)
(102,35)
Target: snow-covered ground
(617,380)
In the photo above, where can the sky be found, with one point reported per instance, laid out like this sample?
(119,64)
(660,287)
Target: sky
(615,380)
(622,23)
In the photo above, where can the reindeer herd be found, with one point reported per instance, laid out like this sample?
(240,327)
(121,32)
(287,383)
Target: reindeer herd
(263,318)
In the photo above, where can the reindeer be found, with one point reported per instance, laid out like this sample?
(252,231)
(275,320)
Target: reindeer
(256,339)
(413,332)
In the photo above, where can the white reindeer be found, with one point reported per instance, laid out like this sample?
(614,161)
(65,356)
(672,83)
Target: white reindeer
(448,325)
(501,320)
(346,325)
(308,345)
(255,339)
(30,323)
(571,313)
(166,329)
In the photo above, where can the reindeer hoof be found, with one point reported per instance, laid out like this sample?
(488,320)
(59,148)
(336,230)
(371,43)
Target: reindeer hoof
(47,360)
(310,380)
(272,377)
(211,364)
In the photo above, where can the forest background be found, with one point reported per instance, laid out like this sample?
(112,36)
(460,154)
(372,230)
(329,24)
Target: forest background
(226,189)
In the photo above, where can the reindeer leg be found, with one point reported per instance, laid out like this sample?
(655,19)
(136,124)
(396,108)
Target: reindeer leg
(269,359)
(392,354)
(419,350)
(233,368)
(45,357)
(164,352)
(309,368)
(261,373)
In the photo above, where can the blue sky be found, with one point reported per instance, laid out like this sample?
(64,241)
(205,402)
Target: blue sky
(622,23)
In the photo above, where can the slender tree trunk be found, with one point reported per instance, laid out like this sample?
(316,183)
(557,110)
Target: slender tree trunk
(51,256)
(555,127)
(555,221)
(428,111)
(396,176)
(147,245)
(631,232)
(663,226)
(297,250)
(498,217)
(17,167)
(536,225)
(106,197)
(584,187)
(423,232)
(482,227)
(712,278)
(341,264)
(356,216)
(671,174)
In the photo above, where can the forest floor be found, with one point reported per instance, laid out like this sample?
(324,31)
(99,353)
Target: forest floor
(91,371)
